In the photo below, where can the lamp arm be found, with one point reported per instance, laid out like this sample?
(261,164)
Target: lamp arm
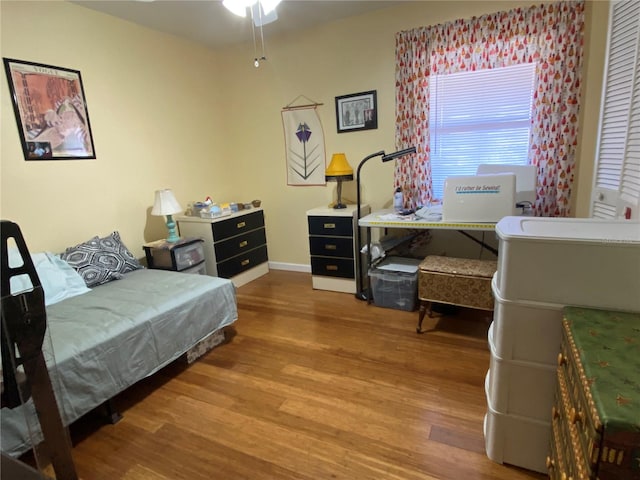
(364,160)
(399,153)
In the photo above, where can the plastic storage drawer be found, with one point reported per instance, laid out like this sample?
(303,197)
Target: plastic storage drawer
(520,388)
(516,440)
(570,261)
(189,256)
(526,331)
(178,257)
(200,269)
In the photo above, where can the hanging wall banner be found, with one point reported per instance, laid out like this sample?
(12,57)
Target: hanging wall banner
(304,143)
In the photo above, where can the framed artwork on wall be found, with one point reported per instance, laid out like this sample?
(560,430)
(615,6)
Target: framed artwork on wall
(304,142)
(51,111)
(357,111)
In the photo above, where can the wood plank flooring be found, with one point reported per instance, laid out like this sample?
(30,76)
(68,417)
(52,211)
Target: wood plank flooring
(312,385)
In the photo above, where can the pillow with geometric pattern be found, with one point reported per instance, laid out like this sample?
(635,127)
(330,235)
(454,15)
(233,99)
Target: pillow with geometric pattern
(100,260)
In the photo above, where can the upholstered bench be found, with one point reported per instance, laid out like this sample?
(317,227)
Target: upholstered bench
(463,282)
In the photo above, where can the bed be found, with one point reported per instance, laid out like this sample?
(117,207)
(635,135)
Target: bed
(104,340)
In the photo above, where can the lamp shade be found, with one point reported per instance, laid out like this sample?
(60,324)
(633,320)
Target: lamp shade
(165,203)
(339,168)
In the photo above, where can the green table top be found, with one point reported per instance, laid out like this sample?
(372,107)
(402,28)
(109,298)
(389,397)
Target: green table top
(608,344)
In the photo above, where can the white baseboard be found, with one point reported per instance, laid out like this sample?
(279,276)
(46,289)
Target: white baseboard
(292,267)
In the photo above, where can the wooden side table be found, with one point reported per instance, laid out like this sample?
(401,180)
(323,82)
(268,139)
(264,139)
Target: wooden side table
(185,255)
(334,254)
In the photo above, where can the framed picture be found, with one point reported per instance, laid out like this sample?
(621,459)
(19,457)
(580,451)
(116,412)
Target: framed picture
(358,111)
(51,111)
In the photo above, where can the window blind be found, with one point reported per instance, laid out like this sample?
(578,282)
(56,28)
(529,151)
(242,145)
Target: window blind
(479,117)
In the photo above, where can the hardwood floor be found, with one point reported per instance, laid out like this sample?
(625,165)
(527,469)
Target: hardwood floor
(313,385)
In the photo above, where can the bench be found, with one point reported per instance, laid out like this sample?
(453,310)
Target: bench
(462,282)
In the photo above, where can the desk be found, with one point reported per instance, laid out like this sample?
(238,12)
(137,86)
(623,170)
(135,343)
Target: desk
(378,219)
(381,219)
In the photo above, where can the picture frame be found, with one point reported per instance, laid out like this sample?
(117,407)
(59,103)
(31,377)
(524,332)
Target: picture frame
(357,111)
(51,111)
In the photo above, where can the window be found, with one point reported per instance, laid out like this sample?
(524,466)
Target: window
(479,117)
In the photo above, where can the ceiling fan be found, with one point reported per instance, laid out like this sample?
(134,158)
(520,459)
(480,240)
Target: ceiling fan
(262,13)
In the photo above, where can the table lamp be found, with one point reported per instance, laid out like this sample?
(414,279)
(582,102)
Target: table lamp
(339,170)
(166,204)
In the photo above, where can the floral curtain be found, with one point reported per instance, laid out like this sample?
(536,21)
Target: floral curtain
(551,35)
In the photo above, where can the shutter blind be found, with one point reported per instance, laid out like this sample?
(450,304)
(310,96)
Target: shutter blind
(630,181)
(617,176)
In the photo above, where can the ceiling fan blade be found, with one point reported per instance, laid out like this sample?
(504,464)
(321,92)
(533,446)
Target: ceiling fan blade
(259,17)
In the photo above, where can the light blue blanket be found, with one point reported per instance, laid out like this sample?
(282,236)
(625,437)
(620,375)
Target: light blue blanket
(107,339)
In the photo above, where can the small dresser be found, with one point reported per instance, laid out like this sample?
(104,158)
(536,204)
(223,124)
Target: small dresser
(235,246)
(596,411)
(332,247)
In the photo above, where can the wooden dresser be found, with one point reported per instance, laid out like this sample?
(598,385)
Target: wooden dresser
(235,246)
(596,412)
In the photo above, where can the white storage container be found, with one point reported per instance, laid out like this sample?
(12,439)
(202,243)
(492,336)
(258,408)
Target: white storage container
(520,388)
(528,331)
(570,261)
(519,441)
(394,283)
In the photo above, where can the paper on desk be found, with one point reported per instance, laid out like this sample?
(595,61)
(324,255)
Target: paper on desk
(393,217)
(430,213)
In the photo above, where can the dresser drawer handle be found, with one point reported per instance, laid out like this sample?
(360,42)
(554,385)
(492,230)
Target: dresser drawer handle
(333,268)
(550,463)
(244,263)
(241,225)
(330,247)
(329,225)
(243,244)
(561,360)
(575,416)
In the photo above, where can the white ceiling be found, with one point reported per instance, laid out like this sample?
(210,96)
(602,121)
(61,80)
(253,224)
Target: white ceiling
(209,23)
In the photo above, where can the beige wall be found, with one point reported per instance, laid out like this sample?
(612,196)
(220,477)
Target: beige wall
(597,14)
(166,112)
(154,110)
